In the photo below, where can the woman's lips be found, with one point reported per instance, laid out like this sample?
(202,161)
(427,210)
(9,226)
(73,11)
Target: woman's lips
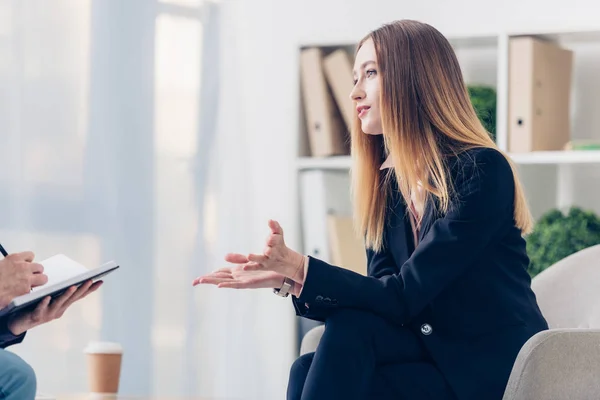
(362,111)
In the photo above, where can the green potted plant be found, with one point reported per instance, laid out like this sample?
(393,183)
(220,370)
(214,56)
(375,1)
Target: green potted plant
(557,235)
(483,99)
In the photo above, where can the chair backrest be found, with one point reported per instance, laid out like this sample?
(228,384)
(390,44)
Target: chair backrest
(568,292)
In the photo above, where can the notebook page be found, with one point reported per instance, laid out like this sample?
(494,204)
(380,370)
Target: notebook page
(59,268)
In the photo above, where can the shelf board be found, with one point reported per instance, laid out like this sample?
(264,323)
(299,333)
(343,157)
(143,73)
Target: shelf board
(468,41)
(536,157)
(557,157)
(328,163)
(458,39)
(563,35)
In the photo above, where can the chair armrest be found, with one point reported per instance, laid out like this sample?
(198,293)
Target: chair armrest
(557,364)
(311,339)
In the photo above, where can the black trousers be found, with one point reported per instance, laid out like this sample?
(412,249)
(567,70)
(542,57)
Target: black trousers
(362,356)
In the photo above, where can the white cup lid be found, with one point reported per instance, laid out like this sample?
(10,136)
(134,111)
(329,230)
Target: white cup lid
(103,348)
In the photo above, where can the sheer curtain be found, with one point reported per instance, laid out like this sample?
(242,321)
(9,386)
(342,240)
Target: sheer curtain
(123,132)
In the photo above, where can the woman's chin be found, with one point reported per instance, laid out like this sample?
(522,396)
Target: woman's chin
(372,132)
(370,129)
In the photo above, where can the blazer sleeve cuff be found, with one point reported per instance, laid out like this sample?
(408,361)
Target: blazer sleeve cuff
(306,304)
(312,288)
(6,336)
(306,261)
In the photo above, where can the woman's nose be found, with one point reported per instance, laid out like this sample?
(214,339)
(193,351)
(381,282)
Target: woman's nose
(357,93)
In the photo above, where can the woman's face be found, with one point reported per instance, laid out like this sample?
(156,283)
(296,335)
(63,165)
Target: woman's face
(366,89)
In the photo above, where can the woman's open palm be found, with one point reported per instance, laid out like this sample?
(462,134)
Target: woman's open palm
(236,278)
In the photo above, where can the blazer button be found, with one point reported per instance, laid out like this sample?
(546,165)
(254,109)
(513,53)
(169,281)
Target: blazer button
(426,329)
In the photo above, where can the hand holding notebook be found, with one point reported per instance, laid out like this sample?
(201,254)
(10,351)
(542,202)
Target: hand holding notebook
(63,273)
(49,309)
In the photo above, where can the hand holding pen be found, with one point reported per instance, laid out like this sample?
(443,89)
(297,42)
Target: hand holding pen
(18,275)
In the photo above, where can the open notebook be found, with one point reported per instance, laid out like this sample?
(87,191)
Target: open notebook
(62,273)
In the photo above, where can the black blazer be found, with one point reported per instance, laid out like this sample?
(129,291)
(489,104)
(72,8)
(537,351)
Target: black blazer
(464,290)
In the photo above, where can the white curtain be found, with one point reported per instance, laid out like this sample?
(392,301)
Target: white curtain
(123,137)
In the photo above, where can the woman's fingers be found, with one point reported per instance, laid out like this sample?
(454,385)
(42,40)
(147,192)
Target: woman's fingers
(224,273)
(257,258)
(257,281)
(236,258)
(275,227)
(253,266)
(212,280)
(225,269)
(233,285)
(237,284)
(268,251)
(275,240)
(221,275)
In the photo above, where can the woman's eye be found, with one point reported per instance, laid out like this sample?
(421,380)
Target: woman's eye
(371,72)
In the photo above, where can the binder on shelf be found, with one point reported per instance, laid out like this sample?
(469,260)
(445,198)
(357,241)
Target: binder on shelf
(539,95)
(347,249)
(322,193)
(324,126)
(338,71)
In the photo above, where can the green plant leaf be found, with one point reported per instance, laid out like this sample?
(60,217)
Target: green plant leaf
(484,100)
(556,236)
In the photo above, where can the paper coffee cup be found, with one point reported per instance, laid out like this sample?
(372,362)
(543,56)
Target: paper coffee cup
(104,366)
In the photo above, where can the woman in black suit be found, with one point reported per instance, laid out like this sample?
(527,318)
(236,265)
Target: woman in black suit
(447,303)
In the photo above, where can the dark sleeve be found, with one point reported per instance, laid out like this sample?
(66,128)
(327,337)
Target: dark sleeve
(317,311)
(6,336)
(379,264)
(480,215)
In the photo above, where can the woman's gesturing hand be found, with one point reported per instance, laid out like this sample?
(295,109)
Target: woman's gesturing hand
(237,278)
(277,257)
(256,271)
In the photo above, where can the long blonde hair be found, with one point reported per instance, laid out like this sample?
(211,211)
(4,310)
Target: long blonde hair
(426,115)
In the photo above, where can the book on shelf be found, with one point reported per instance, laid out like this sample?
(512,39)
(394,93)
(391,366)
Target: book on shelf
(327,230)
(583,144)
(347,249)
